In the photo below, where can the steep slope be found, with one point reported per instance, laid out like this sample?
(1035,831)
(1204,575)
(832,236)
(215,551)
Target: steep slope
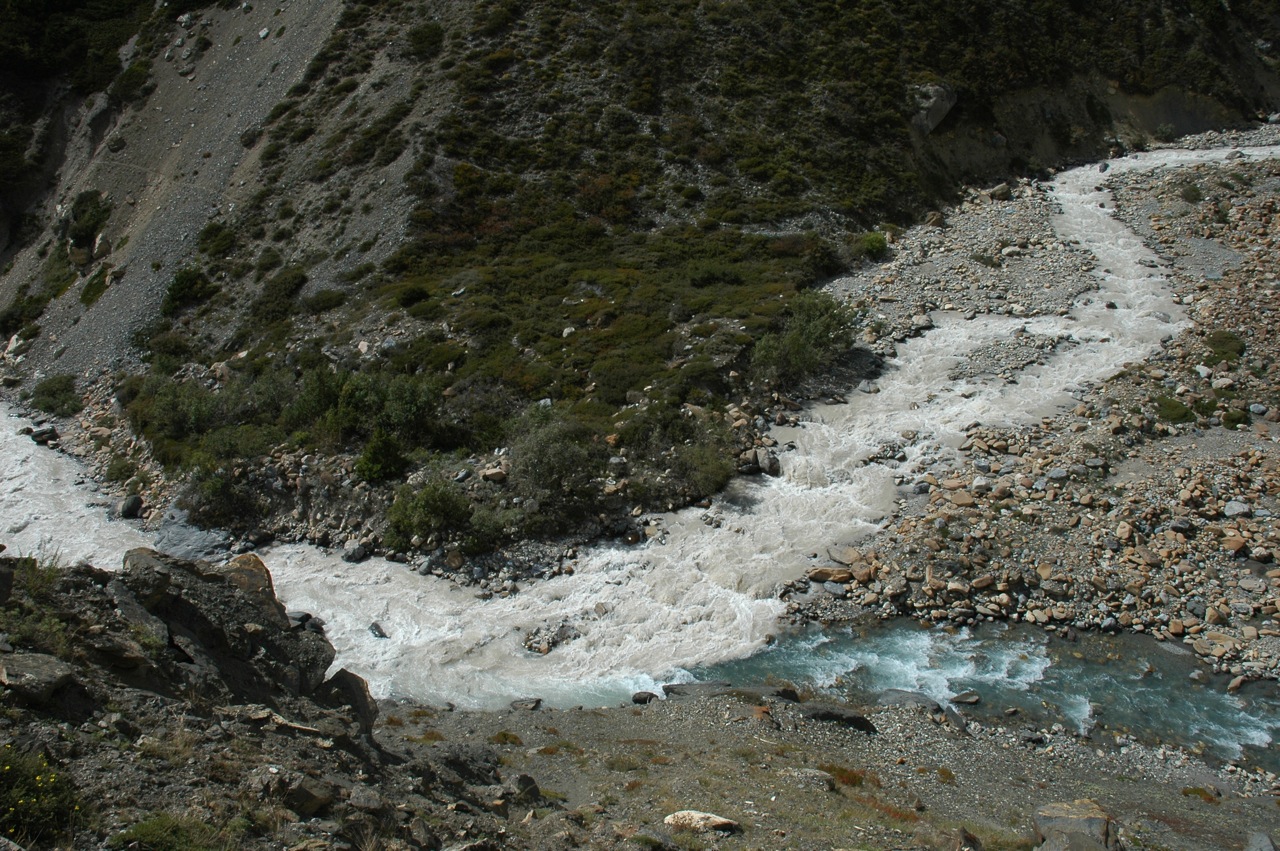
(570,242)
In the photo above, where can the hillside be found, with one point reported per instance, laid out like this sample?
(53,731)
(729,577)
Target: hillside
(471,273)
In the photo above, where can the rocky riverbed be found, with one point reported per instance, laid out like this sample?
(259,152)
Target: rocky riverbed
(175,701)
(1150,504)
(1147,505)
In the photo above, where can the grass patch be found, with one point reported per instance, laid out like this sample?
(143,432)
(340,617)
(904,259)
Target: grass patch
(1172,410)
(38,803)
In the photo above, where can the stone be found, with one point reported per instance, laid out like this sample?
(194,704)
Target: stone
(902,697)
(130,507)
(1000,192)
(643,697)
(934,101)
(528,704)
(1236,508)
(354,551)
(696,821)
(310,796)
(1259,841)
(34,677)
(830,574)
(1081,820)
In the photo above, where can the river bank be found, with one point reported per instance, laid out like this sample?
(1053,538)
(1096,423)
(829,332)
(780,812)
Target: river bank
(1148,504)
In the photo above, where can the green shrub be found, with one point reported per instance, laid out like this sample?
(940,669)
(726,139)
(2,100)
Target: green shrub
(132,82)
(167,832)
(425,41)
(382,458)
(871,245)
(816,330)
(554,461)
(216,240)
(189,286)
(38,803)
(1191,193)
(95,287)
(89,215)
(323,301)
(217,498)
(438,506)
(57,395)
(275,302)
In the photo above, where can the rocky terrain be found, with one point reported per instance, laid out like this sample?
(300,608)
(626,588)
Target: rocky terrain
(176,704)
(1148,506)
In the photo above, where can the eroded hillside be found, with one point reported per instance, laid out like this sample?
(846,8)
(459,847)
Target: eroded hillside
(439,276)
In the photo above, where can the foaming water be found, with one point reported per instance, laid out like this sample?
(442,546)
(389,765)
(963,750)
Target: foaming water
(1101,685)
(700,594)
(47,508)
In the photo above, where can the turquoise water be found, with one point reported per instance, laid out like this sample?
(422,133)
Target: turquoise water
(1101,686)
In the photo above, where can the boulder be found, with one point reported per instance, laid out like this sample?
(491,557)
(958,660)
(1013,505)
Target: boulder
(696,689)
(232,635)
(130,507)
(1080,824)
(830,574)
(643,697)
(34,677)
(902,697)
(700,822)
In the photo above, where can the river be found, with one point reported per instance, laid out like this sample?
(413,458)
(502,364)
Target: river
(701,595)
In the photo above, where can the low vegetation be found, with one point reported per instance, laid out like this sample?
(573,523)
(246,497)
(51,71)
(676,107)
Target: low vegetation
(620,216)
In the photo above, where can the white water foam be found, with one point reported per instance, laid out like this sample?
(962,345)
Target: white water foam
(702,594)
(47,508)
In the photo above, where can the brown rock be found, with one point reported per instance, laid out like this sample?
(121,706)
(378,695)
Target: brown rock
(830,574)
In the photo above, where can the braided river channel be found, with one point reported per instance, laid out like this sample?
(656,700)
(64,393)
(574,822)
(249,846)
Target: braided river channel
(700,601)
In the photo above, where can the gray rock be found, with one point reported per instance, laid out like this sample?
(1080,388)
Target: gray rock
(935,102)
(1259,841)
(130,507)
(696,689)
(1080,825)
(902,697)
(1236,508)
(528,704)
(643,697)
(354,551)
(839,715)
(34,677)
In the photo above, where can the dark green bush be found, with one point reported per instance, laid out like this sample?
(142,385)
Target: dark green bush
(1224,346)
(382,458)
(324,300)
(216,240)
(816,330)
(425,41)
(89,215)
(1172,410)
(275,302)
(189,286)
(57,395)
(871,245)
(38,802)
(95,287)
(167,832)
(438,506)
(132,82)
